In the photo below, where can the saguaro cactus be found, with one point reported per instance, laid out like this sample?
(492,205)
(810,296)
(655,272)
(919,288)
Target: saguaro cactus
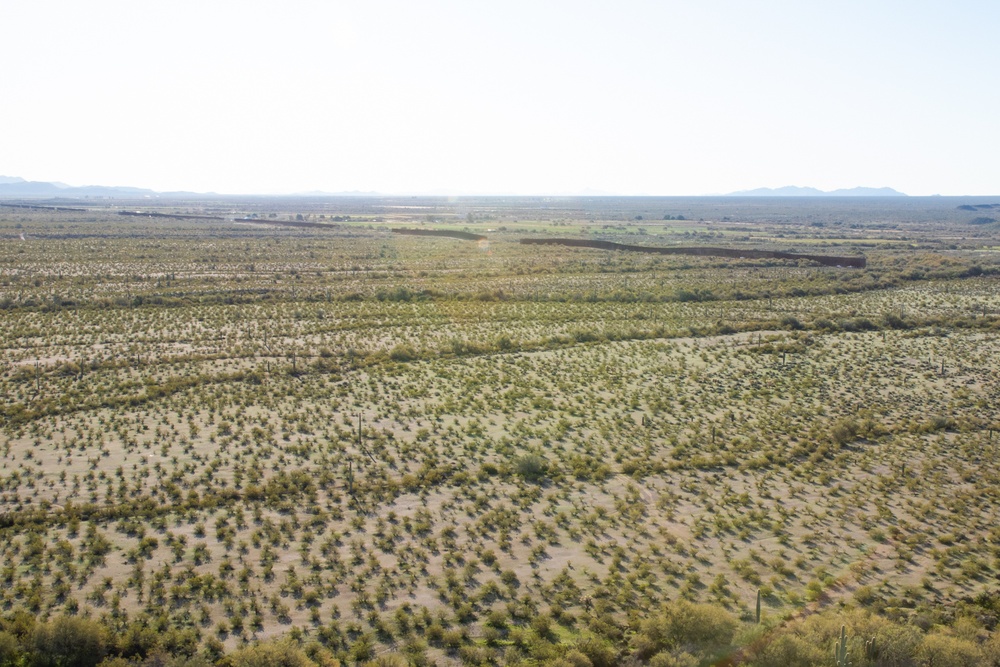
(871,651)
(840,649)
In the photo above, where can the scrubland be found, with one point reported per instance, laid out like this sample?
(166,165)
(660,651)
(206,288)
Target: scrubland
(234,441)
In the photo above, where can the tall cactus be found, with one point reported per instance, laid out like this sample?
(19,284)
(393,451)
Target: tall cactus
(840,649)
(871,651)
(758,606)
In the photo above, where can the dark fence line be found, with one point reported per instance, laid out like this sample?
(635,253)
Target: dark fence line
(465,236)
(174,216)
(44,208)
(290,223)
(826,260)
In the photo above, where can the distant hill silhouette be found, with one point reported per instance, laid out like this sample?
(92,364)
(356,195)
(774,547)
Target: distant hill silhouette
(18,187)
(795,191)
(12,186)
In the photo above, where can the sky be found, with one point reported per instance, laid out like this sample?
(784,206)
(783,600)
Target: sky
(508,97)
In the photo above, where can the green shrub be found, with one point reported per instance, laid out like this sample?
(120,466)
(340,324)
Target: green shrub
(789,322)
(695,628)
(269,654)
(10,649)
(576,658)
(844,431)
(942,650)
(599,653)
(897,645)
(403,352)
(68,640)
(893,321)
(665,659)
(788,650)
(542,625)
(531,467)
(389,660)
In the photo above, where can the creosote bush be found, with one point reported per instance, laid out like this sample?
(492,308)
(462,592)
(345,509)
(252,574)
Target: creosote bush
(531,467)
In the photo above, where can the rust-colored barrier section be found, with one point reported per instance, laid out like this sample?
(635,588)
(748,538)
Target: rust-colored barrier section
(826,260)
(465,236)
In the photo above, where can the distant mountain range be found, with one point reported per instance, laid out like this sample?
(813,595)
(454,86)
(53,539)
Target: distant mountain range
(12,186)
(795,191)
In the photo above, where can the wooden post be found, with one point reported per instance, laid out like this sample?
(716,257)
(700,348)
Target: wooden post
(361,445)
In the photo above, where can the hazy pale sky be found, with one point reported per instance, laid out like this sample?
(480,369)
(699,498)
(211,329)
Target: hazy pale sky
(506,97)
